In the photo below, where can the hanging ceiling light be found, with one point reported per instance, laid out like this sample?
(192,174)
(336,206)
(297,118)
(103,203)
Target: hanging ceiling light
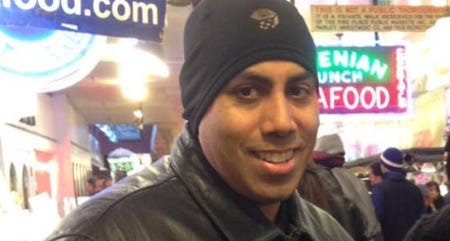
(138,113)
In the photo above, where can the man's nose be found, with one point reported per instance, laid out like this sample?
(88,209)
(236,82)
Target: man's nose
(278,116)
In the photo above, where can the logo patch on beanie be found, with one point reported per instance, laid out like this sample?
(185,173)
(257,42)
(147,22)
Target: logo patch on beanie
(267,18)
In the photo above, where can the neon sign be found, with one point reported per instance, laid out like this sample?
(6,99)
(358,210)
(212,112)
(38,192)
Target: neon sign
(357,80)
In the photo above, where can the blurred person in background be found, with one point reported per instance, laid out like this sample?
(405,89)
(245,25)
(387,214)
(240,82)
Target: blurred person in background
(375,174)
(91,183)
(447,170)
(119,174)
(426,198)
(437,201)
(249,90)
(447,161)
(338,191)
(398,202)
(415,170)
(97,183)
(433,227)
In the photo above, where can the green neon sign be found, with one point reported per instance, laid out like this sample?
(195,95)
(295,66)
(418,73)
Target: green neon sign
(350,65)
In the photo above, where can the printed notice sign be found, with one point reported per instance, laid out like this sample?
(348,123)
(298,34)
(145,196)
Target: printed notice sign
(374,18)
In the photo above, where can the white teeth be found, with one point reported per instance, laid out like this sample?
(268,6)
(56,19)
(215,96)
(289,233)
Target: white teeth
(275,157)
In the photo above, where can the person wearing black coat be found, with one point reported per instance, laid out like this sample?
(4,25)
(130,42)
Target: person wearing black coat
(433,227)
(249,89)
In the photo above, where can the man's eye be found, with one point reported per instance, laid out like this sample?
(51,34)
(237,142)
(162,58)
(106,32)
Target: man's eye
(246,91)
(298,90)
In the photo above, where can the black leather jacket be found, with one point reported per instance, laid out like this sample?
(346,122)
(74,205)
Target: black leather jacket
(183,198)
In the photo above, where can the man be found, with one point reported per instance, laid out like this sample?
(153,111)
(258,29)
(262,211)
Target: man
(338,191)
(398,202)
(97,183)
(249,91)
(91,185)
(375,174)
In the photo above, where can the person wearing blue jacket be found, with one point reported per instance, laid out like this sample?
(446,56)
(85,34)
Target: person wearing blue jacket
(398,202)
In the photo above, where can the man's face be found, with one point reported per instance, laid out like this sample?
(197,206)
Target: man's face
(374,179)
(99,184)
(260,130)
(90,189)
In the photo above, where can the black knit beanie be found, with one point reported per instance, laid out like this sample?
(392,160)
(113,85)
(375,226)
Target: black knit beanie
(223,37)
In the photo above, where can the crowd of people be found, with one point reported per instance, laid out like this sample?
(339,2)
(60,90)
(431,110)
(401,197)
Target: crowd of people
(387,211)
(248,164)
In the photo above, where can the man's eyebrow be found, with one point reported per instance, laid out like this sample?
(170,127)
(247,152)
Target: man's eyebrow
(252,75)
(301,76)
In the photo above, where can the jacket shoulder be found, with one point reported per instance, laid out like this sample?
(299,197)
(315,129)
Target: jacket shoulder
(435,226)
(322,225)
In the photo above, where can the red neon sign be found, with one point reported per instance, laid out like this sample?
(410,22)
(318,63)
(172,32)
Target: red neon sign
(357,80)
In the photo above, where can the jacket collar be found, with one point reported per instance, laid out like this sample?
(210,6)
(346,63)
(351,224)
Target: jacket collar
(222,204)
(393,175)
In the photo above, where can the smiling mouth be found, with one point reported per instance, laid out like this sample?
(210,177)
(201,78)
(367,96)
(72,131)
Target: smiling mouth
(275,156)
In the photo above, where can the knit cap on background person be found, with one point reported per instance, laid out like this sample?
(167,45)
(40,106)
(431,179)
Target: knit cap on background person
(392,159)
(329,151)
(338,190)
(222,38)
